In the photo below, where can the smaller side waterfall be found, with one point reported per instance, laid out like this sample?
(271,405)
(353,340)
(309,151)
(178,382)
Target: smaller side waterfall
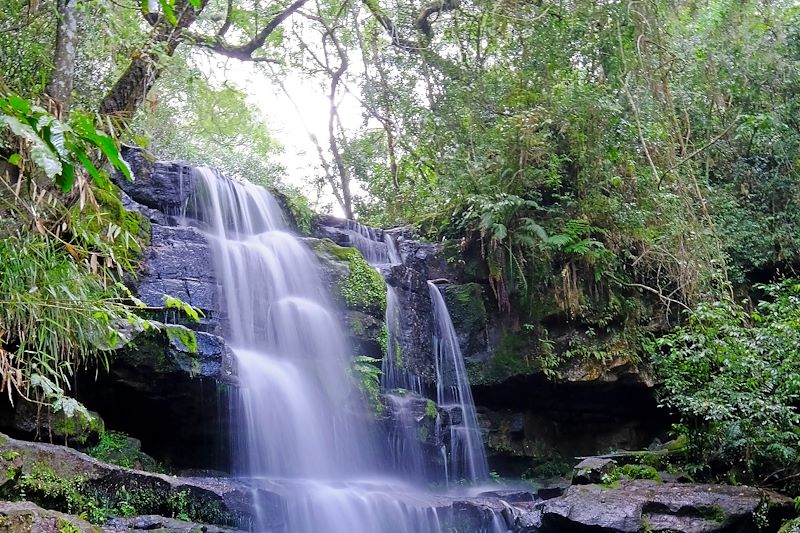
(467,455)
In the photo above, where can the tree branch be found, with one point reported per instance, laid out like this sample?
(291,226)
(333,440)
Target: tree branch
(228,19)
(244,52)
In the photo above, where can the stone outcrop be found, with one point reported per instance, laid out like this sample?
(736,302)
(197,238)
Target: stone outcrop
(642,505)
(27,517)
(42,470)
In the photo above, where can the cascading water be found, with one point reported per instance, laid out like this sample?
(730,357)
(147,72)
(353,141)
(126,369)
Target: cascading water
(301,422)
(467,455)
(291,355)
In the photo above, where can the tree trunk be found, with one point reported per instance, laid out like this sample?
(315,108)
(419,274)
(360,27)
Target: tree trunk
(63,75)
(130,90)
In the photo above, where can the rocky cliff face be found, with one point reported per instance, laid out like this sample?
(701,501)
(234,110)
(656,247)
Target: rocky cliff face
(530,414)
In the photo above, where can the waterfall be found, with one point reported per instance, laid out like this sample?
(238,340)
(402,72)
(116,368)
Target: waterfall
(300,420)
(467,454)
(466,457)
(291,355)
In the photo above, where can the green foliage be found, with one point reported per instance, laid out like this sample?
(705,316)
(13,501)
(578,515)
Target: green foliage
(732,377)
(57,316)
(48,489)
(113,444)
(56,148)
(548,467)
(193,118)
(43,286)
(301,212)
(117,448)
(368,376)
(430,409)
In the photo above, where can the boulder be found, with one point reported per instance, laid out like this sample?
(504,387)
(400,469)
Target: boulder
(36,421)
(644,505)
(160,185)
(592,470)
(27,517)
(179,263)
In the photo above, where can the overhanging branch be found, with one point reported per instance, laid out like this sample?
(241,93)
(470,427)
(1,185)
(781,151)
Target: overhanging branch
(244,52)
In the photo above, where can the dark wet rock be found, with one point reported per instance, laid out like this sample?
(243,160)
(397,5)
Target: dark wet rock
(160,185)
(641,505)
(175,400)
(366,332)
(156,358)
(510,495)
(465,303)
(418,411)
(592,470)
(535,420)
(27,517)
(608,371)
(178,263)
(41,422)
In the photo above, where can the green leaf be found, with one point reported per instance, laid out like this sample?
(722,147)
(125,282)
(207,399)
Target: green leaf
(109,149)
(99,177)
(46,159)
(196,3)
(20,129)
(41,154)
(57,139)
(169,13)
(20,105)
(15,159)
(67,177)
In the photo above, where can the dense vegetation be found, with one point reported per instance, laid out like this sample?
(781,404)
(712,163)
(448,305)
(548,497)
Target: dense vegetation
(627,167)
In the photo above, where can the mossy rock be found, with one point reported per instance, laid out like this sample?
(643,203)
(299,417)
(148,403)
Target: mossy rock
(27,517)
(121,450)
(42,422)
(514,356)
(362,288)
(63,479)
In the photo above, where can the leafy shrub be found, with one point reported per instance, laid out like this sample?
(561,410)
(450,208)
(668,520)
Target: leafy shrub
(733,377)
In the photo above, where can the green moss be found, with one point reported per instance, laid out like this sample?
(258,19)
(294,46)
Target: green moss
(510,359)
(66,527)
(43,486)
(78,427)
(423,433)
(357,325)
(363,288)
(715,513)
(119,449)
(430,409)
(383,339)
(465,305)
(640,472)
